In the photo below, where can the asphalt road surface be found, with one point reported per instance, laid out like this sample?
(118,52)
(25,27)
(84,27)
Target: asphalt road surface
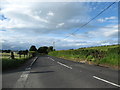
(51,72)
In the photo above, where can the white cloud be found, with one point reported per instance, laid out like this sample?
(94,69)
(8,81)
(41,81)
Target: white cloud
(101,20)
(38,22)
(109,31)
(31,20)
(107,19)
(59,25)
(110,18)
(45,16)
(50,13)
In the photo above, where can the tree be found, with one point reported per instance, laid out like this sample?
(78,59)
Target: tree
(33,48)
(43,49)
(25,52)
(51,48)
(20,53)
(6,51)
(12,55)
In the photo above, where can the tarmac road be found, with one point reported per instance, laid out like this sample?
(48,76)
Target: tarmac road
(51,72)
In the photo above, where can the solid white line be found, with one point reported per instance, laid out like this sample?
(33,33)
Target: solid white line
(33,61)
(106,81)
(52,59)
(64,65)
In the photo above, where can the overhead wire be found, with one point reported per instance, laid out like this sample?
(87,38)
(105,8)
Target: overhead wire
(89,21)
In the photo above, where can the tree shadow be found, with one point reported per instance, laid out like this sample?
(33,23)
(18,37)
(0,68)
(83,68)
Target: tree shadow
(42,72)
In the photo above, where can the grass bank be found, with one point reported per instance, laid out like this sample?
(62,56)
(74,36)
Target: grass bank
(102,55)
(12,63)
(8,63)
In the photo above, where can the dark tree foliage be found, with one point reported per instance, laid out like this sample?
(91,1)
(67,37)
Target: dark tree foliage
(12,55)
(20,53)
(23,52)
(26,52)
(33,48)
(43,49)
(6,51)
(50,48)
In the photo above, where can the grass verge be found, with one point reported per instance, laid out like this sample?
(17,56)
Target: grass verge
(103,55)
(13,63)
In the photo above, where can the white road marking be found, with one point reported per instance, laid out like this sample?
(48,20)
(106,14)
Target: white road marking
(33,61)
(22,80)
(51,59)
(27,68)
(64,65)
(106,81)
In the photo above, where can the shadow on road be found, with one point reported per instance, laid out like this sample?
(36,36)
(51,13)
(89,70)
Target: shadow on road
(42,72)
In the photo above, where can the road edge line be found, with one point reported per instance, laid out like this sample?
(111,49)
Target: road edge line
(64,65)
(106,81)
(24,76)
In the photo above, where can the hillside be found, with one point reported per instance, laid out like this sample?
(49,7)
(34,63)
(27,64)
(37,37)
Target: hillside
(100,55)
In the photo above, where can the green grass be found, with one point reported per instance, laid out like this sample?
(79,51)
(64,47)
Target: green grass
(108,55)
(7,62)
(103,48)
(7,56)
(112,57)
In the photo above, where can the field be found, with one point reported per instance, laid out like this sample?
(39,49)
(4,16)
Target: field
(7,56)
(7,62)
(103,48)
(102,55)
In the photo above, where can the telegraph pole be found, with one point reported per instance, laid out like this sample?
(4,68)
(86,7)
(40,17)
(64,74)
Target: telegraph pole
(53,45)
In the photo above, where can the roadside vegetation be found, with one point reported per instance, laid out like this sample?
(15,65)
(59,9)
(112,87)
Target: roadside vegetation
(102,55)
(13,59)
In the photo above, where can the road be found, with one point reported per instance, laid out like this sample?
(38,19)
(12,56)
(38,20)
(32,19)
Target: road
(51,72)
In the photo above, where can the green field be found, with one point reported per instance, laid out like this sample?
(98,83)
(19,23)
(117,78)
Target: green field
(102,55)
(7,56)
(7,62)
(103,48)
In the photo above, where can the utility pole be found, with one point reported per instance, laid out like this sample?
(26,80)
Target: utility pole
(53,45)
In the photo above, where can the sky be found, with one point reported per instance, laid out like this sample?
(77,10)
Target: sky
(24,23)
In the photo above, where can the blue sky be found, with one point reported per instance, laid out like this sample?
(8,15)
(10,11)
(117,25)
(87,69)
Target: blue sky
(23,24)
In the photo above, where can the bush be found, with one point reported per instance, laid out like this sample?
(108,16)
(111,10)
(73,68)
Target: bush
(112,57)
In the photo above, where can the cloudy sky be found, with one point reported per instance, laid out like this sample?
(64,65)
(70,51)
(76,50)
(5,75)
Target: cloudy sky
(24,23)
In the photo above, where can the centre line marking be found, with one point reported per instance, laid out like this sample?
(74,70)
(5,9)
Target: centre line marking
(106,81)
(64,65)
